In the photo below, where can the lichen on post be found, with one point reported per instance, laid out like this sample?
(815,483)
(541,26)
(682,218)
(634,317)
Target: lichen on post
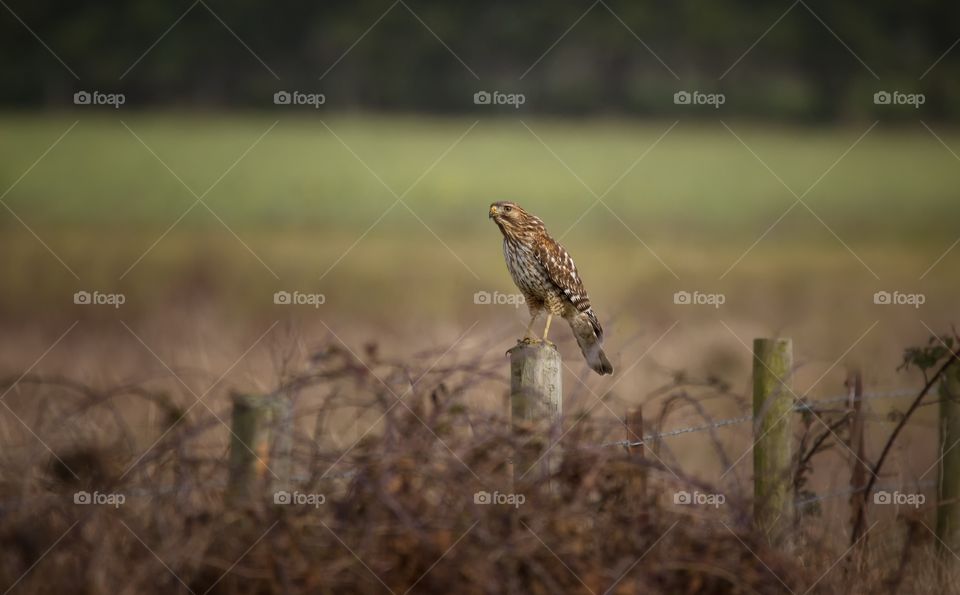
(773,402)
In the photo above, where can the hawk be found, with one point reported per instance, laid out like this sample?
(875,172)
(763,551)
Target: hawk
(546,276)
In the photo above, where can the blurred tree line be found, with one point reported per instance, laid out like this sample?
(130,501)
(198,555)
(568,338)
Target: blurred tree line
(799,69)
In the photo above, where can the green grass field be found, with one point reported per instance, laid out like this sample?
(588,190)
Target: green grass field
(698,178)
(305,201)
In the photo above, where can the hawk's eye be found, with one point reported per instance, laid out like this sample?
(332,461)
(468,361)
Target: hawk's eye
(507,209)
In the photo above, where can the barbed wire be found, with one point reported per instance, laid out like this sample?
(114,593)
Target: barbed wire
(897,394)
(813,406)
(806,406)
(676,432)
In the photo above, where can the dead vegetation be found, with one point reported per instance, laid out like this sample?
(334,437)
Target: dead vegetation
(424,501)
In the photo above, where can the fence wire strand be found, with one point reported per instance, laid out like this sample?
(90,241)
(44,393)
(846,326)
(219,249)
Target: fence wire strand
(808,406)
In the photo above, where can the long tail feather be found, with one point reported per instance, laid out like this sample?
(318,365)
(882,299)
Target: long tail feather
(586,328)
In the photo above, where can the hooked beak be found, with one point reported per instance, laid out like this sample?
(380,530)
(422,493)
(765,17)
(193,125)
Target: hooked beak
(494,211)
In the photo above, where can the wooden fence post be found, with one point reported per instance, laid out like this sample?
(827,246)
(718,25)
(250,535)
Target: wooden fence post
(536,404)
(858,471)
(634,423)
(248,443)
(281,443)
(773,403)
(948,480)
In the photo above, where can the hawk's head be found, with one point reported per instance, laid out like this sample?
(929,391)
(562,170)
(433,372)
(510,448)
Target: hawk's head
(513,221)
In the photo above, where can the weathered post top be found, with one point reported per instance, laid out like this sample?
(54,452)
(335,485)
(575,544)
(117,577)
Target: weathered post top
(536,405)
(536,391)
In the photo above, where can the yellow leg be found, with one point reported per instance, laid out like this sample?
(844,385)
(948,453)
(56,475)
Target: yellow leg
(529,337)
(546,329)
(529,333)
